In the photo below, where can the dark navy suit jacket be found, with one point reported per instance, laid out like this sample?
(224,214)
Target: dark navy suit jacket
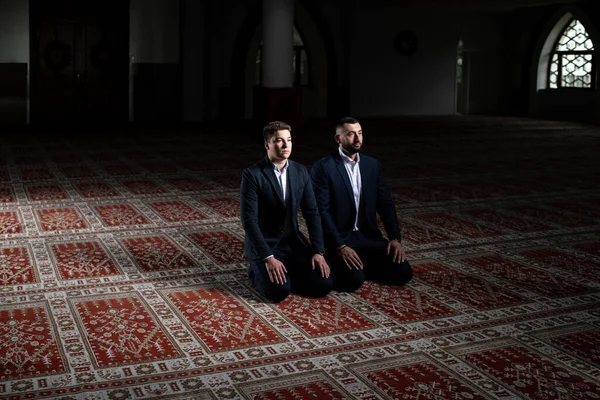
(263,211)
(333,191)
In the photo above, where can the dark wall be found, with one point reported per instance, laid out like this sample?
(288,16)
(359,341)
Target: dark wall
(157,94)
(13,93)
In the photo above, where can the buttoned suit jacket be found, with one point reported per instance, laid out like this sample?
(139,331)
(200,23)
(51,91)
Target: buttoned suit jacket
(335,198)
(263,210)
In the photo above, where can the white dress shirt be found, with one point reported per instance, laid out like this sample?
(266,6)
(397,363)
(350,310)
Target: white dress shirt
(282,177)
(353,169)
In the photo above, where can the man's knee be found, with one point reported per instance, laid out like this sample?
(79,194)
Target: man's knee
(271,291)
(400,274)
(312,286)
(276,293)
(321,287)
(349,281)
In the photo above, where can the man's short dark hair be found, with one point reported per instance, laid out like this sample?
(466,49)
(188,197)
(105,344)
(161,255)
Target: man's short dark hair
(345,120)
(272,127)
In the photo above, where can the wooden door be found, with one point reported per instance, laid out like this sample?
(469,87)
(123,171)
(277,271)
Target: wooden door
(478,82)
(55,88)
(80,66)
(472,87)
(104,81)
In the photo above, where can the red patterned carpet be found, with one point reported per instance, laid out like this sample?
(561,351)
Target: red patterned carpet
(122,275)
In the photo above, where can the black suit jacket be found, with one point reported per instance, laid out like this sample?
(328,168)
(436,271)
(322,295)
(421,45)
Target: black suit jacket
(263,211)
(333,191)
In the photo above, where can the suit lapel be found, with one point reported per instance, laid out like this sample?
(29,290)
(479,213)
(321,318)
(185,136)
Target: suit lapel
(344,174)
(292,182)
(268,171)
(363,183)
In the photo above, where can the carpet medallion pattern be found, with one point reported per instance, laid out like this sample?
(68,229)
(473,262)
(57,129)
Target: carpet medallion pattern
(122,273)
(80,260)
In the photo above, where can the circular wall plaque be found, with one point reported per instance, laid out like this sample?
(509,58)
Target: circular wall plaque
(57,56)
(405,43)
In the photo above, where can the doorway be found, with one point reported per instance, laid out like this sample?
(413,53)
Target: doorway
(79,61)
(471,82)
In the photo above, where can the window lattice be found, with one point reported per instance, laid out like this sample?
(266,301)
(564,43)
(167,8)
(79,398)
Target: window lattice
(571,63)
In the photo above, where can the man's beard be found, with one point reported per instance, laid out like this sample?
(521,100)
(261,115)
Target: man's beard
(350,149)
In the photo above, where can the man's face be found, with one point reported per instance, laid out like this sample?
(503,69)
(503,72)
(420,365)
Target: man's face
(350,138)
(279,147)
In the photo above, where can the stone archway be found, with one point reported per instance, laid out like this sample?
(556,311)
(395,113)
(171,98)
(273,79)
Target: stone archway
(323,86)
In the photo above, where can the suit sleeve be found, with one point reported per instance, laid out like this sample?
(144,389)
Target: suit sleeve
(386,207)
(320,183)
(249,215)
(310,212)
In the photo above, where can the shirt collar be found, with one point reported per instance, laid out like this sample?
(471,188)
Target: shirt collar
(347,159)
(287,163)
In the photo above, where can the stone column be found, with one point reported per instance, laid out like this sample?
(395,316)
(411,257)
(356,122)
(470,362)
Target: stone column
(278,99)
(278,44)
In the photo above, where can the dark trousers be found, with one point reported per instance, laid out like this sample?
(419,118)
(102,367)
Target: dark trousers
(377,265)
(301,279)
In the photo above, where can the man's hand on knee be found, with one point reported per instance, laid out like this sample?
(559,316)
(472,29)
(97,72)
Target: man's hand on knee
(395,247)
(276,270)
(319,261)
(350,257)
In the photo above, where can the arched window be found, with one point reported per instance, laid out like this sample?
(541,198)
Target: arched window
(571,64)
(300,63)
